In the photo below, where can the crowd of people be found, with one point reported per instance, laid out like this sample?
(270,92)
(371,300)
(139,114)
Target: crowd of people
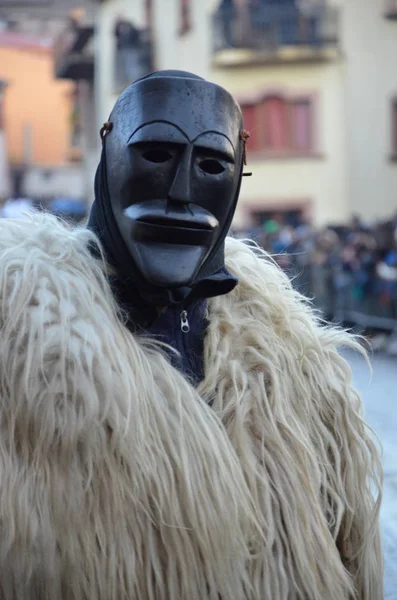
(350,271)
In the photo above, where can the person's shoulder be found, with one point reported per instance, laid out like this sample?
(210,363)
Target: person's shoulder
(47,265)
(41,232)
(43,248)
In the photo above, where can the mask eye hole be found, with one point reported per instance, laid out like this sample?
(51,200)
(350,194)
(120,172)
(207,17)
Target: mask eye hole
(211,166)
(157,155)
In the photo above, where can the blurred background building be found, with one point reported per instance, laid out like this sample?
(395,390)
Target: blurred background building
(284,62)
(318,92)
(40,119)
(316,83)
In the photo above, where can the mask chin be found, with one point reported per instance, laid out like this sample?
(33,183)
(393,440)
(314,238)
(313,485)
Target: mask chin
(167,265)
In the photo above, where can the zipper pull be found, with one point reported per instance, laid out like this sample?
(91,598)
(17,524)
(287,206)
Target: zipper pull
(185,327)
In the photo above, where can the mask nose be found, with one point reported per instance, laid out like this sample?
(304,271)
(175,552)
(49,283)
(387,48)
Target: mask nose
(180,188)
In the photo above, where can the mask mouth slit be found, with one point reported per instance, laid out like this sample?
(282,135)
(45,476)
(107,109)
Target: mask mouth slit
(175,223)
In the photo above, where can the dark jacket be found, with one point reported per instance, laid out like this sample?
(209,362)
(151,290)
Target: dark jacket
(181,326)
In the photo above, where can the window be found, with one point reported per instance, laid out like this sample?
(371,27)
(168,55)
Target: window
(185,23)
(291,217)
(280,125)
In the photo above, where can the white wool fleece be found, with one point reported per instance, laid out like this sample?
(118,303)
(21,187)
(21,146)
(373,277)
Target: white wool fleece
(118,481)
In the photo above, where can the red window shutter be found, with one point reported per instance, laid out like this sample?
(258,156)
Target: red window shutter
(250,116)
(276,123)
(394,117)
(302,124)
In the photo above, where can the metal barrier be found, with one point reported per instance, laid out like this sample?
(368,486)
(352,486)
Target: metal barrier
(342,297)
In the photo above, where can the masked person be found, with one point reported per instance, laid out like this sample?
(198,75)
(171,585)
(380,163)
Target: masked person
(175,421)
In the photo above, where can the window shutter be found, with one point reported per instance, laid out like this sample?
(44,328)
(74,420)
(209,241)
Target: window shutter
(301,125)
(276,134)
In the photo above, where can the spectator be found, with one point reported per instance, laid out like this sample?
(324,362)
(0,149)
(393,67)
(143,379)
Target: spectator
(350,270)
(128,54)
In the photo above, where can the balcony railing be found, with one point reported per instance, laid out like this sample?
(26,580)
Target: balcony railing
(44,9)
(268,29)
(391,9)
(73,55)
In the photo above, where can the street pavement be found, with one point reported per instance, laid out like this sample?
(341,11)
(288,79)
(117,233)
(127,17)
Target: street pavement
(379,394)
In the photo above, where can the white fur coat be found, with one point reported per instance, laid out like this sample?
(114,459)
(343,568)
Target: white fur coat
(118,481)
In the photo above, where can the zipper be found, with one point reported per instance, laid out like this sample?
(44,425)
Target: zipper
(185,327)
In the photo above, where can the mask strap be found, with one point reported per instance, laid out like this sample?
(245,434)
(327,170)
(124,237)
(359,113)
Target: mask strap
(105,129)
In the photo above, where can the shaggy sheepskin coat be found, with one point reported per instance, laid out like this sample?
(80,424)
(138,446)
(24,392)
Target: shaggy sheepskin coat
(120,481)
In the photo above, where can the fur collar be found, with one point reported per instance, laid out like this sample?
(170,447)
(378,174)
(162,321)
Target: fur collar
(120,481)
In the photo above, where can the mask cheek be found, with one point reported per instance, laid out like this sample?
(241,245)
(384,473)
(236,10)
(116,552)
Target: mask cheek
(146,185)
(216,197)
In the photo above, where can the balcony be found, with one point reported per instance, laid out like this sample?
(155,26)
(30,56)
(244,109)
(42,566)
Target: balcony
(391,9)
(43,9)
(270,33)
(73,53)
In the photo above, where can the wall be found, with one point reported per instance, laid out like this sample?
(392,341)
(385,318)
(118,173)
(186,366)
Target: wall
(321,180)
(190,51)
(370,45)
(36,99)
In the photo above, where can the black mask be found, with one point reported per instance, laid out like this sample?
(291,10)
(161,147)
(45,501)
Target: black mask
(171,170)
